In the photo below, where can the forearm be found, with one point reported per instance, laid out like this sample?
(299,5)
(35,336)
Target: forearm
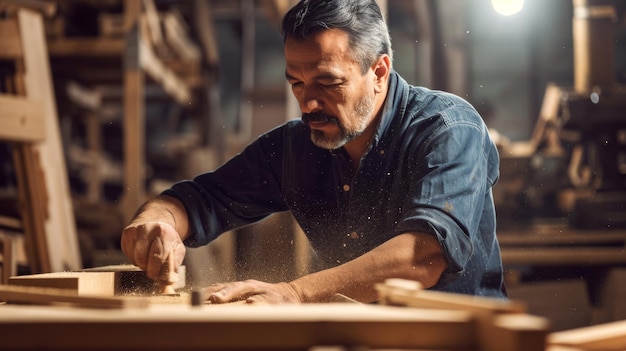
(166,209)
(411,256)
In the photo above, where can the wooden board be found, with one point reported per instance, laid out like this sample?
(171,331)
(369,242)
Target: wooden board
(234,327)
(51,296)
(60,227)
(102,281)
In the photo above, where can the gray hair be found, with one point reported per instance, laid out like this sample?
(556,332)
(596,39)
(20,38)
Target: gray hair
(362,20)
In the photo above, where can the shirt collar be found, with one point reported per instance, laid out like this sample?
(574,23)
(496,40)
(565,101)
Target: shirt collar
(395,103)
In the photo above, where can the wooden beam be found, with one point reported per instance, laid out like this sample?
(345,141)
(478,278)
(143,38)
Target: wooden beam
(21,119)
(134,115)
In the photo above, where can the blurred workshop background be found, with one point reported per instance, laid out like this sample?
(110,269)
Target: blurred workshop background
(132,96)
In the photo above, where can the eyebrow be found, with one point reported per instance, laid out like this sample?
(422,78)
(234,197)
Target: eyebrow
(318,77)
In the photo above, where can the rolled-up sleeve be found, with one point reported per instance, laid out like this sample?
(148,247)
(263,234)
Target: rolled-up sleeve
(448,183)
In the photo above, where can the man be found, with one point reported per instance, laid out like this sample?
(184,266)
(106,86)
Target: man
(387,180)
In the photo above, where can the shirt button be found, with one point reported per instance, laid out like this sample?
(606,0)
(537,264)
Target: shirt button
(354,235)
(346,187)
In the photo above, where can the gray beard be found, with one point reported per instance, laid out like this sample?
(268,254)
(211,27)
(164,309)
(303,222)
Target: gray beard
(361,113)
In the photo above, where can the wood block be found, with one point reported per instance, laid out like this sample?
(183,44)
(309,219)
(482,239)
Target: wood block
(97,283)
(103,281)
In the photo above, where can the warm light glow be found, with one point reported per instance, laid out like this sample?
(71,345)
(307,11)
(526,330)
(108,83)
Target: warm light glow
(507,7)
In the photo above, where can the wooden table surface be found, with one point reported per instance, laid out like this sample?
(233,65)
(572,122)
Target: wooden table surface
(232,327)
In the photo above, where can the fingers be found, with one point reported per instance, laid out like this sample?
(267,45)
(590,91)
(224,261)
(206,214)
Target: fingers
(227,292)
(149,245)
(251,291)
(129,238)
(156,258)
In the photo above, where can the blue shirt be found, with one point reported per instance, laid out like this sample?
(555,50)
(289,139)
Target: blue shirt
(430,168)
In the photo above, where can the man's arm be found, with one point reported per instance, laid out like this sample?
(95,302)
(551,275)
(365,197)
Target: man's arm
(414,256)
(158,229)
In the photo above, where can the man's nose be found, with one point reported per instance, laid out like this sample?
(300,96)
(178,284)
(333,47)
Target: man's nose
(309,102)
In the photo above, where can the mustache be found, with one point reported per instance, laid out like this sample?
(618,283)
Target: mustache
(319,117)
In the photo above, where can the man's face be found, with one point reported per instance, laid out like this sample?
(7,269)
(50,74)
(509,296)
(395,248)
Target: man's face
(336,100)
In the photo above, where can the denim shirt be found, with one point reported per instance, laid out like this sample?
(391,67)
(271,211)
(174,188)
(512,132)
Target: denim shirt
(430,168)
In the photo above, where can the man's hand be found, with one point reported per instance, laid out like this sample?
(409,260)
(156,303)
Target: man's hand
(149,244)
(251,291)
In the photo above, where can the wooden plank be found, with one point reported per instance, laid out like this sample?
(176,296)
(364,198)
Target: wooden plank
(564,256)
(134,125)
(563,237)
(103,281)
(31,190)
(60,226)
(605,337)
(153,28)
(10,45)
(46,8)
(10,222)
(8,259)
(500,324)
(96,283)
(203,21)
(409,293)
(160,73)
(86,47)
(235,327)
(36,295)
(177,37)
(21,119)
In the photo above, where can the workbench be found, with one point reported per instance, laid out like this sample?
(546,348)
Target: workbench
(219,327)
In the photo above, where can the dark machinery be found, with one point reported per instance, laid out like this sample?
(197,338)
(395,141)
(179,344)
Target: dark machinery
(574,166)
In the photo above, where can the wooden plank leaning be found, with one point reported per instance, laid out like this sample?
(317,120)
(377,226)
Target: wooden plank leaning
(40,166)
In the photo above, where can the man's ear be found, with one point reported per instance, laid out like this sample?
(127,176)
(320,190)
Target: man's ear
(381,68)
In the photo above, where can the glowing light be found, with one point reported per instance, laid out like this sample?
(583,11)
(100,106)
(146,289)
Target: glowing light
(507,7)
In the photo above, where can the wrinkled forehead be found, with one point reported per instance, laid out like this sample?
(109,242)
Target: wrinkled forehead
(328,47)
